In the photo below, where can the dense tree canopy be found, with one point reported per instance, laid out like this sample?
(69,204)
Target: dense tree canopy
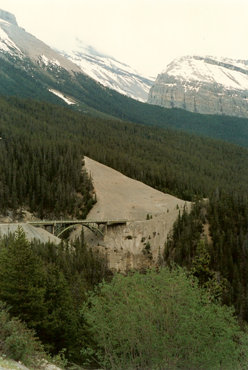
(45,285)
(42,148)
(161,320)
(221,225)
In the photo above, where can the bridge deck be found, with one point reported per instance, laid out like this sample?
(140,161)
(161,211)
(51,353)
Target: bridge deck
(77,222)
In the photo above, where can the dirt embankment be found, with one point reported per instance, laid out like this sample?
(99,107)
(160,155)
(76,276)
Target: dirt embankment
(138,243)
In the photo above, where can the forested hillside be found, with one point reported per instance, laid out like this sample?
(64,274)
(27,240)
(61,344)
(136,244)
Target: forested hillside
(41,169)
(212,242)
(25,78)
(40,140)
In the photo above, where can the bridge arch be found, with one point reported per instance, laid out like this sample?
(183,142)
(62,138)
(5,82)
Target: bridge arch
(92,228)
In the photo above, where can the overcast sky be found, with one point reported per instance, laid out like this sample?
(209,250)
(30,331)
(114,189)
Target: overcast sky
(146,34)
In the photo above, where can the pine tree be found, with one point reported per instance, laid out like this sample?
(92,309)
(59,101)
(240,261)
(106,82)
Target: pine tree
(59,329)
(22,283)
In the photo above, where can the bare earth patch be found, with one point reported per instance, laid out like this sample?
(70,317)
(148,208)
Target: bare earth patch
(139,243)
(120,197)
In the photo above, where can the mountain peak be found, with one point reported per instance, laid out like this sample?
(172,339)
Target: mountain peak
(9,17)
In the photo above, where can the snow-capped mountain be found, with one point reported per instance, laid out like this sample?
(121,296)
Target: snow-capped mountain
(15,41)
(31,69)
(203,84)
(6,44)
(110,72)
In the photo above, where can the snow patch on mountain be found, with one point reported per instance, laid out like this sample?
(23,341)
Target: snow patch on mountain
(208,85)
(110,72)
(14,40)
(229,73)
(48,62)
(69,101)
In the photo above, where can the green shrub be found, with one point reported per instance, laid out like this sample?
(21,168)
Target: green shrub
(17,341)
(161,320)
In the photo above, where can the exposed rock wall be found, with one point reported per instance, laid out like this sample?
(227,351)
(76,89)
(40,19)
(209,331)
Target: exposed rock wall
(137,245)
(207,86)
(9,17)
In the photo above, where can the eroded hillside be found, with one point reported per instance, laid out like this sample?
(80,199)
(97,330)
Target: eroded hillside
(150,215)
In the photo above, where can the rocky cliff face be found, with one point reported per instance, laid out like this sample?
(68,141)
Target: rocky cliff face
(203,84)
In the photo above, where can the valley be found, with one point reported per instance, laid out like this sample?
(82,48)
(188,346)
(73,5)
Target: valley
(123,222)
(31,69)
(137,240)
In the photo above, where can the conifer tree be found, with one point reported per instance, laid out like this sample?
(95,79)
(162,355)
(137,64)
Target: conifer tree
(22,283)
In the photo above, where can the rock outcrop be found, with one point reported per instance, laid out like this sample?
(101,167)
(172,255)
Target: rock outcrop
(205,85)
(8,17)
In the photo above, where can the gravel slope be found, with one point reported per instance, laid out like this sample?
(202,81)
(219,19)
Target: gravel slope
(120,197)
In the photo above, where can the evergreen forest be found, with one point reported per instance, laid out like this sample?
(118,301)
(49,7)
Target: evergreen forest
(22,77)
(43,143)
(64,301)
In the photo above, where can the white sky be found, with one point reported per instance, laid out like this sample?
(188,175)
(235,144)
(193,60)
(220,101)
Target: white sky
(146,34)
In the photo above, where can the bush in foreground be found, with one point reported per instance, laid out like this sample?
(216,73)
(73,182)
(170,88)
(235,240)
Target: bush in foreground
(162,320)
(17,341)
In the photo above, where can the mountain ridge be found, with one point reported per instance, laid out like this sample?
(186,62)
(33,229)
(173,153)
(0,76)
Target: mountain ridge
(109,71)
(9,17)
(19,43)
(56,83)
